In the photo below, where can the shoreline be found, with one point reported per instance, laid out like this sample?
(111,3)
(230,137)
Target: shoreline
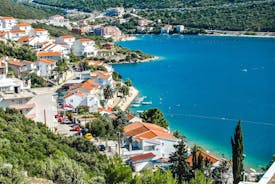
(139,61)
(126,102)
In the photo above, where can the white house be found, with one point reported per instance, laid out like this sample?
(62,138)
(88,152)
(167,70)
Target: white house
(23,26)
(142,161)
(41,34)
(147,137)
(45,67)
(102,78)
(63,48)
(6,23)
(28,40)
(66,39)
(58,20)
(16,34)
(29,66)
(167,29)
(179,28)
(84,47)
(80,98)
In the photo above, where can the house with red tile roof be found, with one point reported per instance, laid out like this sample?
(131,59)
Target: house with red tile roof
(103,78)
(68,39)
(23,26)
(80,98)
(17,67)
(45,67)
(41,34)
(215,161)
(141,161)
(50,55)
(148,137)
(84,47)
(28,40)
(16,34)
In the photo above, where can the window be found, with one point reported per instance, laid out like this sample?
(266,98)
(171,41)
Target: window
(149,148)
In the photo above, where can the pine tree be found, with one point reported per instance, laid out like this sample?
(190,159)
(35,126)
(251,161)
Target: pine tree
(180,166)
(237,154)
(194,157)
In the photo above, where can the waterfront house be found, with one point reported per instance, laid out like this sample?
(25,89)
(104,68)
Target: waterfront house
(166,29)
(179,28)
(50,55)
(147,137)
(84,47)
(45,67)
(6,23)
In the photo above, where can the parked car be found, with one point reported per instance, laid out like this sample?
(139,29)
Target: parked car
(56,115)
(88,136)
(76,128)
(101,147)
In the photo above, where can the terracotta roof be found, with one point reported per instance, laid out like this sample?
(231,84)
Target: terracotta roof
(66,36)
(95,63)
(142,157)
(78,93)
(23,25)
(17,31)
(24,39)
(90,84)
(41,54)
(16,63)
(39,30)
(130,116)
(47,61)
(141,131)
(205,155)
(23,106)
(85,40)
(100,74)
(2,33)
(7,18)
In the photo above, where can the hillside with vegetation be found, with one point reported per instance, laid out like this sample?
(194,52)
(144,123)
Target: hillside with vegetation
(257,15)
(21,11)
(26,146)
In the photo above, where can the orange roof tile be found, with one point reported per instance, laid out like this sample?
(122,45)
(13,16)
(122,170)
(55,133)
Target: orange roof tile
(142,157)
(47,61)
(141,130)
(66,36)
(16,63)
(23,106)
(78,93)
(84,40)
(205,155)
(7,18)
(90,84)
(41,54)
(39,30)
(23,25)
(17,31)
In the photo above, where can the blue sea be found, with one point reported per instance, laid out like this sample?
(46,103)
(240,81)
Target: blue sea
(205,84)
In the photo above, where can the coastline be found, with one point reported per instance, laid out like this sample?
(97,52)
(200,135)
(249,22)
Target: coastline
(239,34)
(126,102)
(139,61)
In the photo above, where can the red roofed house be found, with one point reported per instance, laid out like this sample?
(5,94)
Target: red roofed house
(45,67)
(23,26)
(212,159)
(58,20)
(28,40)
(50,55)
(17,67)
(80,98)
(16,34)
(6,23)
(142,161)
(84,47)
(147,137)
(41,34)
(66,39)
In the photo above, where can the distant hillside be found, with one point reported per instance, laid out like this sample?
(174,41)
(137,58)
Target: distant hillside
(18,10)
(246,15)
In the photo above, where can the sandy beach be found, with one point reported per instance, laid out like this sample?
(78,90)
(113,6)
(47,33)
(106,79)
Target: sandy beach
(125,102)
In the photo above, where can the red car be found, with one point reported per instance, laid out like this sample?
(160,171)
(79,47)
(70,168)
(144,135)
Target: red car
(76,128)
(56,116)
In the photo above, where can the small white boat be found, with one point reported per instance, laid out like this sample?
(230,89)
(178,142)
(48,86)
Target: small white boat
(140,111)
(135,105)
(147,103)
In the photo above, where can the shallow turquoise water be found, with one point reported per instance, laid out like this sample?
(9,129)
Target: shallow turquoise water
(205,84)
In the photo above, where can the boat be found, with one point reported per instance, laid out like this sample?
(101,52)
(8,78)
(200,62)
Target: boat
(140,111)
(147,103)
(135,105)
